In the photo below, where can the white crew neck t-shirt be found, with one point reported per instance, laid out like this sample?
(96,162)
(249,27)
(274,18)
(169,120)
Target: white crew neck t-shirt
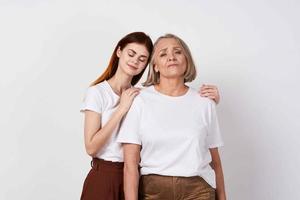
(175,133)
(101,98)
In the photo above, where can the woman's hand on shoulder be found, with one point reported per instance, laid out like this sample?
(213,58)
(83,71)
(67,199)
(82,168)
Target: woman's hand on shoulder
(210,91)
(127,98)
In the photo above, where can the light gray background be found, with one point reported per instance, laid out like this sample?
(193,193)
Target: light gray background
(52,50)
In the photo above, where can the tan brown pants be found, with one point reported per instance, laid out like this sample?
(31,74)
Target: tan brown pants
(156,187)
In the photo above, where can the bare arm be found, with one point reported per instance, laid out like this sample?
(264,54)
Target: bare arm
(217,166)
(95,136)
(131,172)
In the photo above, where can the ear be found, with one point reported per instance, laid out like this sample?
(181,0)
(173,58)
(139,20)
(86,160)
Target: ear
(119,51)
(155,68)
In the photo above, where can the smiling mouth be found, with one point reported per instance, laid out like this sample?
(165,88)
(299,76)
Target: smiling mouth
(133,67)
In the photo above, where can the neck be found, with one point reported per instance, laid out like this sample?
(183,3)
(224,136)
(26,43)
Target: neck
(171,87)
(120,81)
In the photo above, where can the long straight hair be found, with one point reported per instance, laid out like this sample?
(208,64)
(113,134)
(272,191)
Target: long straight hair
(134,37)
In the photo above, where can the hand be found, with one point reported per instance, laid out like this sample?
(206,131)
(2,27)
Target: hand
(210,91)
(127,98)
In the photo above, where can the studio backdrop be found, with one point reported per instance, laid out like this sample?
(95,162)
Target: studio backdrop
(50,51)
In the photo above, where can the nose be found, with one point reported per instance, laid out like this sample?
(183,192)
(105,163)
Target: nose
(136,61)
(171,57)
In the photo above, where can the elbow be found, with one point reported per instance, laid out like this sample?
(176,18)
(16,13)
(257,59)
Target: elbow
(91,151)
(92,154)
(91,148)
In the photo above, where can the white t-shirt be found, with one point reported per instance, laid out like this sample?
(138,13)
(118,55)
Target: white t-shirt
(101,98)
(175,133)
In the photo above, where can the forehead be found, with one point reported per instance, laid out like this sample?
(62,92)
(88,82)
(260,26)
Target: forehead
(138,48)
(167,43)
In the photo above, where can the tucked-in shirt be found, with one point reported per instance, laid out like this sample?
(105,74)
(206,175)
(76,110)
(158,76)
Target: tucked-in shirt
(175,133)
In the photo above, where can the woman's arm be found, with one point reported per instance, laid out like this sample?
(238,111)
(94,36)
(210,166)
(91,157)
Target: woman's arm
(217,166)
(95,136)
(131,170)
(210,91)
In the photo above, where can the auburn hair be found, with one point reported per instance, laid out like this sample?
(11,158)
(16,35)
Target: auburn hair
(134,37)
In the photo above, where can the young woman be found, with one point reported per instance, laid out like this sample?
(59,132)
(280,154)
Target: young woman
(172,133)
(106,102)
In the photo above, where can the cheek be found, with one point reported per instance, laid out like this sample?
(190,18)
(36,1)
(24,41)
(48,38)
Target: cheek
(159,62)
(126,57)
(142,66)
(184,62)
(183,58)
(122,58)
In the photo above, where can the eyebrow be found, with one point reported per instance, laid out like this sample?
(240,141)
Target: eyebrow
(135,53)
(173,48)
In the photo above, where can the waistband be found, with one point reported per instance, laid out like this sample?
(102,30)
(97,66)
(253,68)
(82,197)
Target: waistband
(97,164)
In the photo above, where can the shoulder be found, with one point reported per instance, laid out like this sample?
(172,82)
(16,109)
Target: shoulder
(145,92)
(94,99)
(204,101)
(101,88)
(142,98)
(98,88)
(96,91)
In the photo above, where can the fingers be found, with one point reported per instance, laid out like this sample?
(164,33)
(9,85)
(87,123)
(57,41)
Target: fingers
(133,91)
(210,91)
(134,94)
(204,87)
(130,93)
(209,86)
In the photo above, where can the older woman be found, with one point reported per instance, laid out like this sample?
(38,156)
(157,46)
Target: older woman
(172,133)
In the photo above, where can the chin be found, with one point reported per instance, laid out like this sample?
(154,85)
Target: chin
(129,71)
(175,75)
(132,72)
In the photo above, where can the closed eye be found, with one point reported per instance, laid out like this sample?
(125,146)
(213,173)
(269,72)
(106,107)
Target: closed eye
(131,53)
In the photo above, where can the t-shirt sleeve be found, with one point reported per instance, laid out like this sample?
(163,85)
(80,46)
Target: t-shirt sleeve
(93,100)
(214,137)
(130,128)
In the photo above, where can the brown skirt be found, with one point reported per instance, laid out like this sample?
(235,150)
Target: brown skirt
(104,181)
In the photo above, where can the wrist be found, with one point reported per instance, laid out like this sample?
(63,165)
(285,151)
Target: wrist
(121,111)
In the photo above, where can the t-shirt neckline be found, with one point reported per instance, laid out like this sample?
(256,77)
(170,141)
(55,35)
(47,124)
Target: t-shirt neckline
(172,97)
(110,88)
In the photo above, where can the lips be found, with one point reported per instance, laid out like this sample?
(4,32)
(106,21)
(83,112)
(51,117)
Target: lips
(133,67)
(172,65)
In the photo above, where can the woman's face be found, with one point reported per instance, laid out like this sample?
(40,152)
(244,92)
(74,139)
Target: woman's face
(169,59)
(133,58)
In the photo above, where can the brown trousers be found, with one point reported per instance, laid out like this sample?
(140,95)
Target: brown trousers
(156,187)
(104,181)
